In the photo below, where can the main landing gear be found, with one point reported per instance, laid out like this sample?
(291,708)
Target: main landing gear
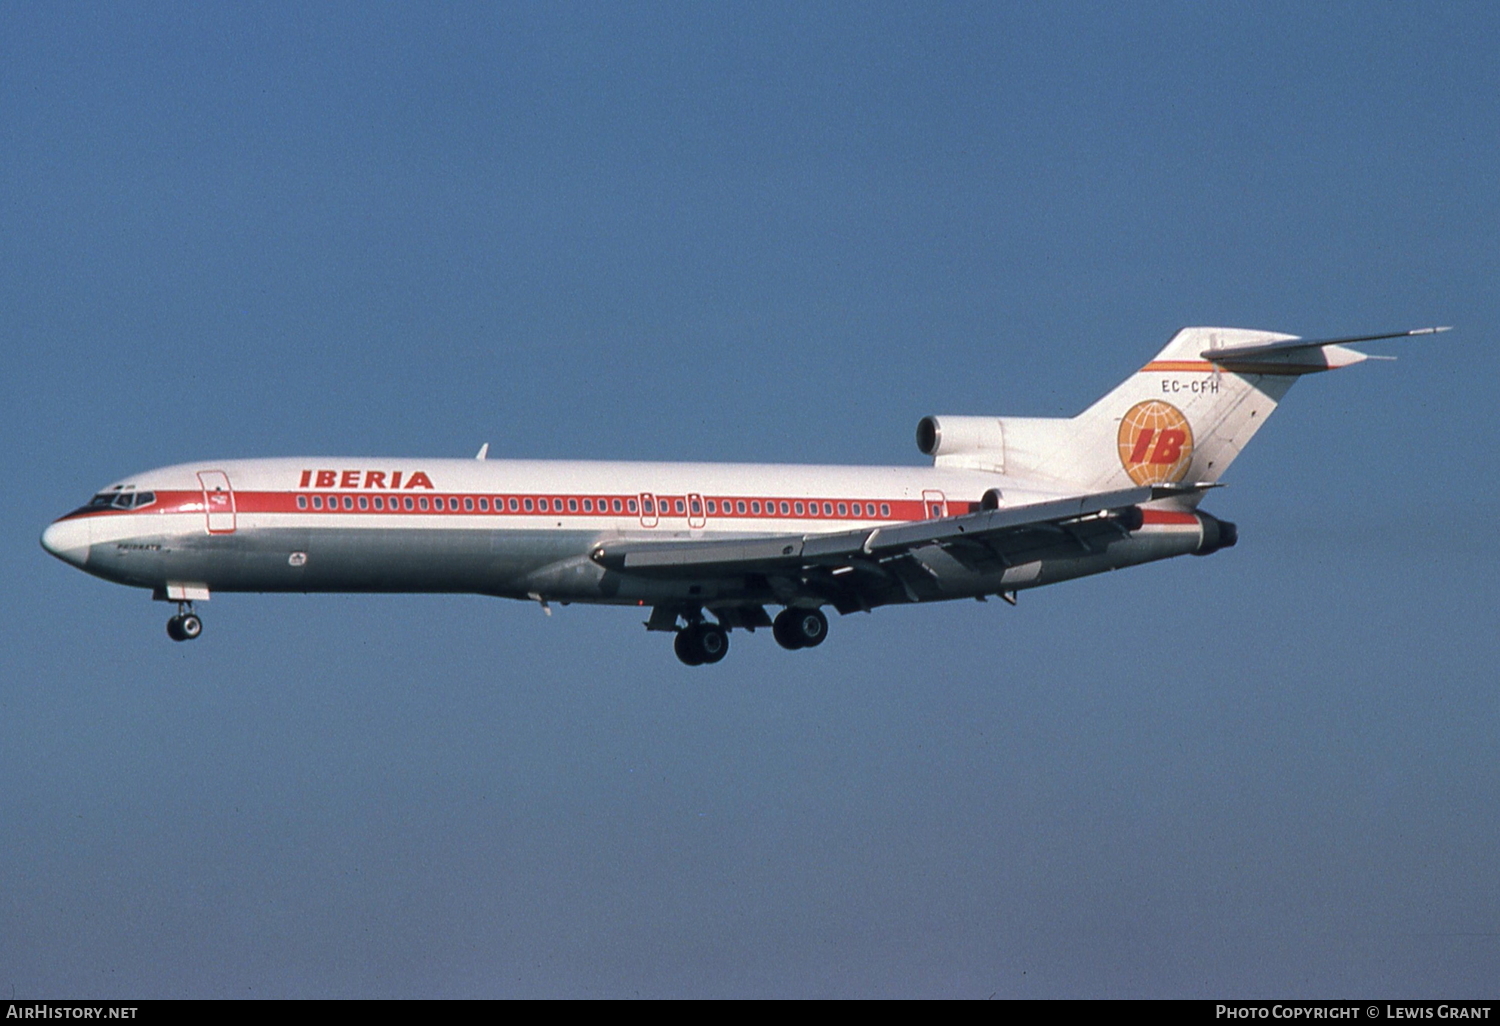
(799,628)
(185,626)
(700,643)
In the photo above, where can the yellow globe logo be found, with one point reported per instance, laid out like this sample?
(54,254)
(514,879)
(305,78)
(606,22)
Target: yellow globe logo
(1156,443)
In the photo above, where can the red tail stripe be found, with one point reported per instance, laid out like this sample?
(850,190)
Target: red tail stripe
(1169,516)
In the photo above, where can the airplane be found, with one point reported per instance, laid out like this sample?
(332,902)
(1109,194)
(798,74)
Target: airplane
(1009,503)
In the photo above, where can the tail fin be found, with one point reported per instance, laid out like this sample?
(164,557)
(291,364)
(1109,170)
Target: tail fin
(1183,417)
(1180,419)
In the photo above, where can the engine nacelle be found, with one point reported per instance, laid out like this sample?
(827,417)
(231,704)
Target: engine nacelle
(1217,534)
(974,441)
(1014,445)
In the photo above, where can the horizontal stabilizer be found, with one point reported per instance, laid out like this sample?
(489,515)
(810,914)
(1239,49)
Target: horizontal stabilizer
(1265,348)
(1299,355)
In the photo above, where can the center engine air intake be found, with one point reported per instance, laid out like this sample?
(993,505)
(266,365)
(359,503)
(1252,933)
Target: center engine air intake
(977,441)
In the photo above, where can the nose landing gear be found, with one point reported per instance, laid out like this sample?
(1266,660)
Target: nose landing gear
(185,626)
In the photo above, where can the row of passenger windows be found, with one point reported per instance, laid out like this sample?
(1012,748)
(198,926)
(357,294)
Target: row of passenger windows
(648,506)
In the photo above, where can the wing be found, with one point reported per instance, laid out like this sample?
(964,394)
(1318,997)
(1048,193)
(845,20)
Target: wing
(872,566)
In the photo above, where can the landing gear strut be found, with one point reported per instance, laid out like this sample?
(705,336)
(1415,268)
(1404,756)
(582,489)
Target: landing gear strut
(799,628)
(185,626)
(700,643)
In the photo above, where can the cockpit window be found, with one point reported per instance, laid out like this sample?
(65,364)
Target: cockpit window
(121,500)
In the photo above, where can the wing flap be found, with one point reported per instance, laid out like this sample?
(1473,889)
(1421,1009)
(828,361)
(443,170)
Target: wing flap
(865,546)
(986,522)
(749,553)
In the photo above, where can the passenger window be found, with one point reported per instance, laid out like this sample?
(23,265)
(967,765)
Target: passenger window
(348,502)
(468,505)
(514,504)
(696,505)
(844,512)
(484,504)
(679,505)
(317,502)
(647,505)
(528,505)
(407,502)
(630,505)
(572,505)
(301,502)
(828,509)
(437,502)
(885,509)
(422,502)
(798,508)
(379,502)
(617,505)
(588,505)
(755,506)
(364,503)
(784,509)
(711,507)
(740,506)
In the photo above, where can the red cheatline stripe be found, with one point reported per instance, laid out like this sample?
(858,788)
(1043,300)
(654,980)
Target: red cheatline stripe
(286,502)
(564,505)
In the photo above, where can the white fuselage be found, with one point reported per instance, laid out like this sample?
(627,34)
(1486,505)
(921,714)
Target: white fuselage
(522,528)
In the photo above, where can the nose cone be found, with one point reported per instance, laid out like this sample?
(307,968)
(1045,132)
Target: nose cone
(68,540)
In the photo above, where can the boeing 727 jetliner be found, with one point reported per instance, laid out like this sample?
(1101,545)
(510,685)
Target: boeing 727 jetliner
(1010,503)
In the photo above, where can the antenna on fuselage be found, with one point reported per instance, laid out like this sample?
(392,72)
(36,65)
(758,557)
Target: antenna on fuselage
(484,452)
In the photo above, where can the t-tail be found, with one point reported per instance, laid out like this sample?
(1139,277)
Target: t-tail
(1178,421)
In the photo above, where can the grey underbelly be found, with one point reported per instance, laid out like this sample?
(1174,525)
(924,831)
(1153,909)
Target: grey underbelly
(297,559)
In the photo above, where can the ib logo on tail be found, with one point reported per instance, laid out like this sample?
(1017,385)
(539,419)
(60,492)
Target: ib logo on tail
(1156,443)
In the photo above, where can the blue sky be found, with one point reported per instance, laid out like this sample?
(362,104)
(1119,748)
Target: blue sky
(752,232)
